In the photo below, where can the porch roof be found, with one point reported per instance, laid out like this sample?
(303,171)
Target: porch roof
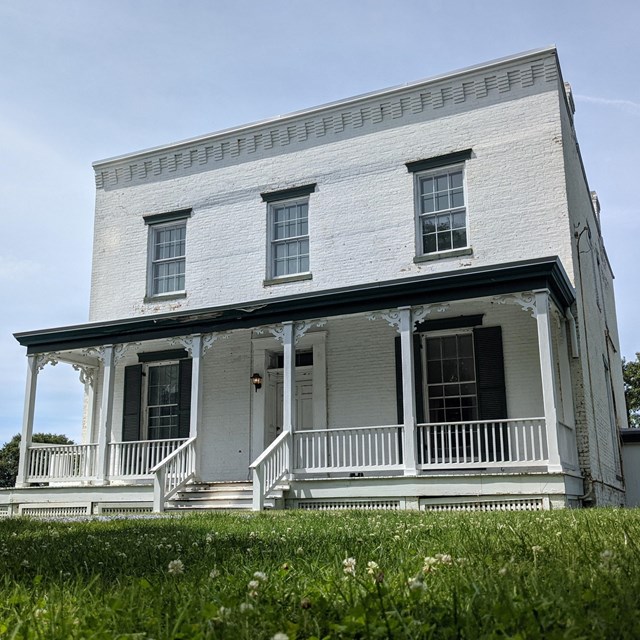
(461,284)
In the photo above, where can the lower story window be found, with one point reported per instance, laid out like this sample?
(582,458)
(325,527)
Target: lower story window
(162,401)
(451,378)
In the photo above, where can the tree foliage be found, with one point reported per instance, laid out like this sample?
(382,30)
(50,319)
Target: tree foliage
(10,455)
(631,374)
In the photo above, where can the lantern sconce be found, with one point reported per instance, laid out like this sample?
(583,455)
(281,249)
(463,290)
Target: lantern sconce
(256,380)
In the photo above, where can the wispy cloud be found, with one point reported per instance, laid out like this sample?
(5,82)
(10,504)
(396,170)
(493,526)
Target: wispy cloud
(626,105)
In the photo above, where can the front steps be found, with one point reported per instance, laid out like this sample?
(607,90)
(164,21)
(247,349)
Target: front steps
(213,496)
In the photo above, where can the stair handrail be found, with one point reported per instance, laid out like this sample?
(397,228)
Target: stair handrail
(173,472)
(277,458)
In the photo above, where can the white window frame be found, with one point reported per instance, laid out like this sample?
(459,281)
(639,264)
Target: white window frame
(272,242)
(154,229)
(438,171)
(146,370)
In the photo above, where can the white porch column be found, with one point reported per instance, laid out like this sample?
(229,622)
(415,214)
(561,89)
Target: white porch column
(196,385)
(548,375)
(27,421)
(289,378)
(106,413)
(408,390)
(195,417)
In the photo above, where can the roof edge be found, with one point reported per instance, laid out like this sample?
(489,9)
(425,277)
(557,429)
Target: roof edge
(551,49)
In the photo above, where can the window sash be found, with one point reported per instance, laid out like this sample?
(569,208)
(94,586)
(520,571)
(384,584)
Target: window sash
(441,210)
(168,258)
(289,237)
(452,391)
(161,401)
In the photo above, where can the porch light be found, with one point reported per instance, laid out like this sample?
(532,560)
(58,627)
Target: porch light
(256,380)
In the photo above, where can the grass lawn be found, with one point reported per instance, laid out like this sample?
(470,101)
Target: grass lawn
(563,574)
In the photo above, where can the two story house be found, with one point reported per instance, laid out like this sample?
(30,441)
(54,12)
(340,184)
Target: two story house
(398,300)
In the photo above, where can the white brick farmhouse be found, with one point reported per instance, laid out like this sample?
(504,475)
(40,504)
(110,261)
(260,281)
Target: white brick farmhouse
(398,300)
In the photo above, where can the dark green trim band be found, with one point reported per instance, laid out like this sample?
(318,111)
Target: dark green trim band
(288,194)
(440,161)
(459,322)
(158,356)
(169,216)
(460,284)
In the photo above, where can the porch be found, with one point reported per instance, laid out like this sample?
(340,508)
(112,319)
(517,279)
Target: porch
(309,409)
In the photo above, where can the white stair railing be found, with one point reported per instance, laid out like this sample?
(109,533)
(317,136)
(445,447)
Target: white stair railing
(61,462)
(270,467)
(172,473)
(483,443)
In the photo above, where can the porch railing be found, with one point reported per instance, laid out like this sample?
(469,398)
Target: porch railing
(492,443)
(348,449)
(133,460)
(61,463)
(269,468)
(172,473)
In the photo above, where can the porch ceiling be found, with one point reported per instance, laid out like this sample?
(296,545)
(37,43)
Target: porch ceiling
(461,284)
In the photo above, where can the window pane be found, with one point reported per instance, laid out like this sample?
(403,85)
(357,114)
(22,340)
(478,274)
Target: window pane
(458,220)
(442,201)
(429,224)
(434,348)
(455,178)
(450,370)
(459,238)
(444,241)
(430,243)
(427,204)
(434,372)
(426,185)
(457,198)
(442,183)
(444,222)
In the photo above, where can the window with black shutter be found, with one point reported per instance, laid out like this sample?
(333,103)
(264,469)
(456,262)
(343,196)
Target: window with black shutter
(157,401)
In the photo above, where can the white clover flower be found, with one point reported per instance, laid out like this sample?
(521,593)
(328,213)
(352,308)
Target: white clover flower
(259,575)
(38,613)
(214,573)
(536,549)
(429,564)
(208,538)
(349,566)
(372,567)
(444,558)
(280,636)
(417,583)
(503,571)
(299,551)
(245,606)
(254,585)
(607,554)
(176,567)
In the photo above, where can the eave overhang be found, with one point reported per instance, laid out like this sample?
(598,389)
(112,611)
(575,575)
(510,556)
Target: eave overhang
(461,284)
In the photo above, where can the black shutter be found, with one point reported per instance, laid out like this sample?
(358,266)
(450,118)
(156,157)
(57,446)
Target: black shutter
(184,398)
(132,403)
(492,399)
(417,367)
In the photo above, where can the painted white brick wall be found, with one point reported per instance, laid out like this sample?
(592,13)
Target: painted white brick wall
(362,226)
(596,427)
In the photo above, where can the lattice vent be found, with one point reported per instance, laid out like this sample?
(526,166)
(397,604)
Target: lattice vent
(125,510)
(4,512)
(59,511)
(333,505)
(528,504)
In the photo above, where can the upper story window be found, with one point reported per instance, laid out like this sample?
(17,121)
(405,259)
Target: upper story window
(288,229)
(441,212)
(167,253)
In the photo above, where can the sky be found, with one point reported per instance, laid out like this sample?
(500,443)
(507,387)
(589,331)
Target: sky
(81,81)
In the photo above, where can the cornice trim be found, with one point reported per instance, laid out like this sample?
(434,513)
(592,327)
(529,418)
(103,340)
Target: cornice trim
(333,120)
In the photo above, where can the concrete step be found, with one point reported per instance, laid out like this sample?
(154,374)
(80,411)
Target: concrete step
(203,496)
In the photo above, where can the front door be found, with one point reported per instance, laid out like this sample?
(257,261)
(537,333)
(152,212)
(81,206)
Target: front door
(304,402)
